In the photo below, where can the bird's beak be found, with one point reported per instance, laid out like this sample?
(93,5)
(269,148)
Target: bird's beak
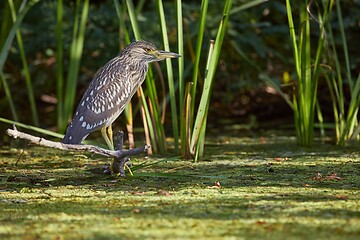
(160,54)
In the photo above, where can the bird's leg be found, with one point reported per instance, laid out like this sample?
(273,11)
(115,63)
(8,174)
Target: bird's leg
(104,132)
(110,135)
(110,143)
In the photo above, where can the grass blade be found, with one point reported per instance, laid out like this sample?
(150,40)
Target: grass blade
(151,88)
(75,58)
(174,109)
(6,47)
(205,97)
(201,30)
(128,109)
(200,123)
(148,126)
(61,120)
(247,5)
(26,70)
(180,40)
(33,128)
(271,82)
(8,97)
(186,123)
(344,44)
(5,51)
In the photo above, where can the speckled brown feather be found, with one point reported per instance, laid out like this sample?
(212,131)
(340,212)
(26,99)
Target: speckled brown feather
(111,89)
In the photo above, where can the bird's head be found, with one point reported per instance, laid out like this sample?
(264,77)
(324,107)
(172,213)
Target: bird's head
(147,52)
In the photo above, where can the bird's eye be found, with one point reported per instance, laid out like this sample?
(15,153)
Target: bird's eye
(147,50)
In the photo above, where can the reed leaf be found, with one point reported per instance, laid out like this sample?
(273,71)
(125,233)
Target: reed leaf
(9,97)
(348,126)
(304,99)
(245,6)
(30,127)
(174,117)
(157,126)
(26,70)
(60,118)
(186,121)
(148,126)
(23,9)
(75,58)
(198,48)
(128,109)
(180,42)
(198,135)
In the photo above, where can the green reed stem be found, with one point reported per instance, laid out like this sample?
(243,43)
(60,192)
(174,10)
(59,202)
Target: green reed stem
(201,30)
(198,135)
(76,50)
(174,117)
(61,120)
(24,8)
(26,70)
(180,40)
(155,125)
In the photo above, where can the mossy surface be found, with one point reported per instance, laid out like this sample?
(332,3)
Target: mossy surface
(245,188)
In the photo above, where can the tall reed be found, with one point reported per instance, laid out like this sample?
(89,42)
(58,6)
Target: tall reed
(14,30)
(76,50)
(346,120)
(174,115)
(307,70)
(153,117)
(60,114)
(198,136)
(26,70)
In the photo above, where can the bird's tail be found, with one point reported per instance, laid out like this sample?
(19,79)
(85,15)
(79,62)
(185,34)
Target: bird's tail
(74,134)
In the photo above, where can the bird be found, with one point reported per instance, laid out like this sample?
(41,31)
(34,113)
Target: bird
(111,89)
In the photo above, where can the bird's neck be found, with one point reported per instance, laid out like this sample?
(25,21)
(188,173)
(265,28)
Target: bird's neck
(138,72)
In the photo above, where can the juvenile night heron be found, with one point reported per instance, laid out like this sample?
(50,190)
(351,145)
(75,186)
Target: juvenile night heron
(111,89)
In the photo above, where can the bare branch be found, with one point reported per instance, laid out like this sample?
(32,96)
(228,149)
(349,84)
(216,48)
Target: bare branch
(120,153)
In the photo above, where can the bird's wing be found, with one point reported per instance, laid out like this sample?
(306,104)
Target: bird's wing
(101,104)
